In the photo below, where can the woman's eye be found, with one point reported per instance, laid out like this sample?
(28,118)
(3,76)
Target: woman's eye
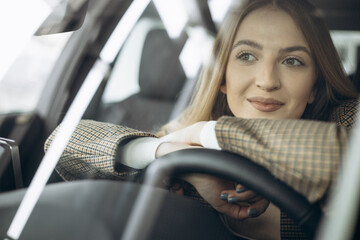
(293,62)
(246,57)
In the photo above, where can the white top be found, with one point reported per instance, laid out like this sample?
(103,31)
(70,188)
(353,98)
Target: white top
(208,136)
(139,153)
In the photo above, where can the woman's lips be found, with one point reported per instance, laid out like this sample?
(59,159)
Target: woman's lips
(265,104)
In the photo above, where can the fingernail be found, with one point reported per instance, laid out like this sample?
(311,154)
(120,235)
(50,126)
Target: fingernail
(240,190)
(253,212)
(224,196)
(233,199)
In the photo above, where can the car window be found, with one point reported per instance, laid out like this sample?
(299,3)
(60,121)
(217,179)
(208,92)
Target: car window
(22,85)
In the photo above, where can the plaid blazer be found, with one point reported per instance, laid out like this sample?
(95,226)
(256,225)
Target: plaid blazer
(304,154)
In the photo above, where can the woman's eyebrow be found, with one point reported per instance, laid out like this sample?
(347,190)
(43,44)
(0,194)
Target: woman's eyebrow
(283,50)
(295,48)
(249,43)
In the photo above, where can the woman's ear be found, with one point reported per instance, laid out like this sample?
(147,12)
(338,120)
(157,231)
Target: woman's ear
(223,88)
(312,96)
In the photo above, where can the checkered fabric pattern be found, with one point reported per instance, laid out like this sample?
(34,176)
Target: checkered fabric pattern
(304,154)
(92,150)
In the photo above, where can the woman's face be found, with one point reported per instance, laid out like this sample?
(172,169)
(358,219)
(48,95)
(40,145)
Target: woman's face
(270,71)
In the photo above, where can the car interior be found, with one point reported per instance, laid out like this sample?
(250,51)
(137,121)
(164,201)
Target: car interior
(145,85)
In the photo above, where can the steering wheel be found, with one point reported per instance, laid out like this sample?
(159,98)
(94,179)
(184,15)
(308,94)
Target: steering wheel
(226,165)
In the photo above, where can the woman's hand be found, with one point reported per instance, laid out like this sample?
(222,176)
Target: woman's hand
(256,204)
(239,205)
(210,188)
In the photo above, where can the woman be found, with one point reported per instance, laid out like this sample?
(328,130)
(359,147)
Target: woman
(273,63)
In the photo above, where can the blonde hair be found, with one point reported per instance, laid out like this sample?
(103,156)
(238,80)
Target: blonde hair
(332,85)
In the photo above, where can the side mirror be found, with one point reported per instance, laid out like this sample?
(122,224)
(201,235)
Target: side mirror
(67,16)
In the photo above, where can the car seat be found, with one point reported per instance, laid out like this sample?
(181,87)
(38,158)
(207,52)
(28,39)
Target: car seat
(161,79)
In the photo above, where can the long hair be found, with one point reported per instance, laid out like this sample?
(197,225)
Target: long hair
(331,86)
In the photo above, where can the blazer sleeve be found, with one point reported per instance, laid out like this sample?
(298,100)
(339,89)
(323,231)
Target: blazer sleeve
(304,154)
(92,152)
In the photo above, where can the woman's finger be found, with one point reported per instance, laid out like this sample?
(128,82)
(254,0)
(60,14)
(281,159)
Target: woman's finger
(258,208)
(240,188)
(255,199)
(235,211)
(233,196)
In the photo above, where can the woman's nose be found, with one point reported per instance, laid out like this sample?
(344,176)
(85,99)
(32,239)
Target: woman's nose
(268,78)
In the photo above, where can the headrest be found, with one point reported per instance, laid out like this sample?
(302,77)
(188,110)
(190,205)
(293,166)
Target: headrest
(161,75)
